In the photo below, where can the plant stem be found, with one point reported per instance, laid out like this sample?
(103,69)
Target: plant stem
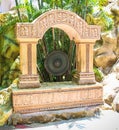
(39,5)
(18,12)
(62,4)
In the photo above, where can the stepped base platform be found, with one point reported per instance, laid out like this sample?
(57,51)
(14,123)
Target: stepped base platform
(56,96)
(53,115)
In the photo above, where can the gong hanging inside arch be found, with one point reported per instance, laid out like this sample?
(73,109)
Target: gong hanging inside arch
(57,63)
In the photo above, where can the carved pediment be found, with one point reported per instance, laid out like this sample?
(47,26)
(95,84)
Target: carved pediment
(68,21)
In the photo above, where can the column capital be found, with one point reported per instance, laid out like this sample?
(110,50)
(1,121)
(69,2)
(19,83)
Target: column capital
(28,40)
(86,42)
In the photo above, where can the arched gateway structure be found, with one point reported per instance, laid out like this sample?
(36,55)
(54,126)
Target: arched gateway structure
(76,28)
(61,95)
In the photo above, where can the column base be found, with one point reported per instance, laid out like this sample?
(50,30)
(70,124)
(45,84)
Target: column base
(29,81)
(84,78)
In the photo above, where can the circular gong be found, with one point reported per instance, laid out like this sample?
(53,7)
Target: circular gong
(56,63)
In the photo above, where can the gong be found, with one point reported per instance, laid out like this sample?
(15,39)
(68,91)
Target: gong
(56,63)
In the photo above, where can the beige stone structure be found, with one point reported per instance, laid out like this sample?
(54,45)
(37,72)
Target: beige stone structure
(48,98)
(77,29)
(84,36)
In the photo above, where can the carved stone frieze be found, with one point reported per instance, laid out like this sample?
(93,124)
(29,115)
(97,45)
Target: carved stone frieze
(37,28)
(32,100)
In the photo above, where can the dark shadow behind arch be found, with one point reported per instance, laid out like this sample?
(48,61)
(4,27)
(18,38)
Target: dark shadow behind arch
(47,46)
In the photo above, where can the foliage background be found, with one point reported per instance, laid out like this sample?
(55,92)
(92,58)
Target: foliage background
(92,11)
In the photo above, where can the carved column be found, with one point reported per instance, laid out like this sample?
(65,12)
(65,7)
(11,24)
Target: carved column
(84,63)
(28,59)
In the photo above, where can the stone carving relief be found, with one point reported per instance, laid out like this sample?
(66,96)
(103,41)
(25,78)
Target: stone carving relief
(37,28)
(55,99)
(28,34)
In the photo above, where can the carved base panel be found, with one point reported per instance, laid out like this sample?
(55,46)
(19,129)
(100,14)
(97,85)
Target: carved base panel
(29,81)
(56,96)
(84,78)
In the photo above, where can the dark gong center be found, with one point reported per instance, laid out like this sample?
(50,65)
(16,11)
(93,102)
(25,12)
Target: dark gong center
(57,63)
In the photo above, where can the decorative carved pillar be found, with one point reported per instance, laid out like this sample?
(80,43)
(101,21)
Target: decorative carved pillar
(29,77)
(84,63)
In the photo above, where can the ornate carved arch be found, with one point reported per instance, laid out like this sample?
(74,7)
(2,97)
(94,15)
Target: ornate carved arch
(62,19)
(77,29)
